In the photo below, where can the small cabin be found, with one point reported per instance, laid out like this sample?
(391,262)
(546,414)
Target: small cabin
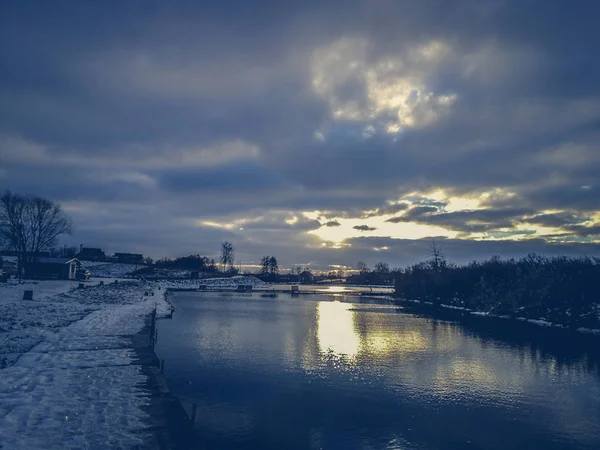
(53,269)
(306,277)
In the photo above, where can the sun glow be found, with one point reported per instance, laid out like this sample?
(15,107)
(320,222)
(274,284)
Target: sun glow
(382,229)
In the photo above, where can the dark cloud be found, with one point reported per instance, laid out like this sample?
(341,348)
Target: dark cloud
(364,228)
(401,252)
(188,112)
(384,210)
(580,197)
(413,214)
(332,223)
(584,230)
(556,220)
(471,221)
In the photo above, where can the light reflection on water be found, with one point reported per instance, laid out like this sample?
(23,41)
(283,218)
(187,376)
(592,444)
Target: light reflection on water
(315,373)
(335,329)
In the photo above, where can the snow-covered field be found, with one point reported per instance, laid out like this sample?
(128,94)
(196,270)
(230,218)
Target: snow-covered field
(109,269)
(68,378)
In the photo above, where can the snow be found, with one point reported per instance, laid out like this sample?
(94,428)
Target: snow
(214,283)
(110,269)
(589,330)
(539,322)
(12,291)
(70,380)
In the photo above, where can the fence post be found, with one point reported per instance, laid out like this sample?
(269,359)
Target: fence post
(153,327)
(162,366)
(193,418)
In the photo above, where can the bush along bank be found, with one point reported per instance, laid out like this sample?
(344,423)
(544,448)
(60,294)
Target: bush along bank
(560,290)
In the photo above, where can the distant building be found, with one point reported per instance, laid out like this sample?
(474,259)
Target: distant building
(91,254)
(307,277)
(53,268)
(129,258)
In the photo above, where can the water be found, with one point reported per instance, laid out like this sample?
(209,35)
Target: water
(315,373)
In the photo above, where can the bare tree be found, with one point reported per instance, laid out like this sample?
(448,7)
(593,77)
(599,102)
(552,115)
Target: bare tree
(30,224)
(382,268)
(362,267)
(227,255)
(437,257)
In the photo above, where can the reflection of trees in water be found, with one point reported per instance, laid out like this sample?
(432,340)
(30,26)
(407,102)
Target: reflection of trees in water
(540,344)
(491,355)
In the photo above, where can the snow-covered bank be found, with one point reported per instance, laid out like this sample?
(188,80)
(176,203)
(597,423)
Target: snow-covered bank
(537,322)
(110,269)
(70,380)
(214,283)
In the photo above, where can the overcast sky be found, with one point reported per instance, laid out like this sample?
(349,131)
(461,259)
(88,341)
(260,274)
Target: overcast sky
(323,132)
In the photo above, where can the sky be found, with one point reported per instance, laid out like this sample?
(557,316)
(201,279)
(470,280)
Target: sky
(322,132)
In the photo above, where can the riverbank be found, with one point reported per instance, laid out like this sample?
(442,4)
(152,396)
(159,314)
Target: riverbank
(78,372)
(462,313)
(170,426)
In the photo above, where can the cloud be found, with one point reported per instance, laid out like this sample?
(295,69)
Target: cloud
(391,208)
(187,114)
(414,214)
(332,223)
(556,220)
(364,228)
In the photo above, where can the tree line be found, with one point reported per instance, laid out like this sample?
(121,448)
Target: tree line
(562,290)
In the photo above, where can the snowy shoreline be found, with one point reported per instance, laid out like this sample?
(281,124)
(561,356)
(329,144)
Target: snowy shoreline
(474,313)
(77,370)
(71,376)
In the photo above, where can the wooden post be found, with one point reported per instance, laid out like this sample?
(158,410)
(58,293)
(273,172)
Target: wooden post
(162,366)
(153,327)
(193,418)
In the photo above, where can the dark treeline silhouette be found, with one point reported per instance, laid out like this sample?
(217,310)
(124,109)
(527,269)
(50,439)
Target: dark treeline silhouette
(561,290)
(380,275)
(269,269)
(191,262)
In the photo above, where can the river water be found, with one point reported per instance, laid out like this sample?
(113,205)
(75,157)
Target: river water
(325,372)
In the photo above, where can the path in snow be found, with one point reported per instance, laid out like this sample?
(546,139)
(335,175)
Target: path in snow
(80,386)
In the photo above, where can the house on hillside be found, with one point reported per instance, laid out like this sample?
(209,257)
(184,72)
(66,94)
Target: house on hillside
(53,269)
(129,258)
(306,277)
(90,254)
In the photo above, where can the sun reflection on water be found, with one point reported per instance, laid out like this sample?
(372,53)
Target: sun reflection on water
(335,329)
